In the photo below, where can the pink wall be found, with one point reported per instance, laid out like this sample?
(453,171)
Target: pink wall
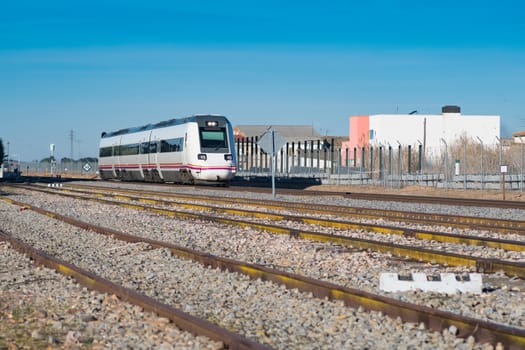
(359,135)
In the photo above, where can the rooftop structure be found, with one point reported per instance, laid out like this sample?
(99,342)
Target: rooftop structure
(292,133)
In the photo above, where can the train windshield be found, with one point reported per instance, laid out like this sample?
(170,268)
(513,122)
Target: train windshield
(213,139)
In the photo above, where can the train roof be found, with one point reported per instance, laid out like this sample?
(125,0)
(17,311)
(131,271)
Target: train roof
(162,124)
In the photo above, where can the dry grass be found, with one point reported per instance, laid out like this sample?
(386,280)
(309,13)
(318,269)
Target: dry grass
(425,191)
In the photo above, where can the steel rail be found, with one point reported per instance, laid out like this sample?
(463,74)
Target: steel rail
(469,222)
(495,203)
(183,320)
(436,320)
(420,254)
(494,243)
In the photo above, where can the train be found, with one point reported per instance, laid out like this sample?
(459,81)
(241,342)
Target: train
(192,150)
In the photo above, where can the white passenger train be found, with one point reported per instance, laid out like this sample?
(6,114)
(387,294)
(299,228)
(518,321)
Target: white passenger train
(195,149)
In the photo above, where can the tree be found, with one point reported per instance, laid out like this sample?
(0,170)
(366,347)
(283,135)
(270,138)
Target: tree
(2,155)
(88,160)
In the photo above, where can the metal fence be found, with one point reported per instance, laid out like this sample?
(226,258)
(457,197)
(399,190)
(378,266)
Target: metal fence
(46,168)
(464,164)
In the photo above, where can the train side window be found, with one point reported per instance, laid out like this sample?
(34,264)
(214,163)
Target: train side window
(144,148)
(134,149)
(164,146)
(153,147)
(105,152)
(179,142)
(129,150)
(171,145)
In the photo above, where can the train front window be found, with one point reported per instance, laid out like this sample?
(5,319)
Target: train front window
(213,139)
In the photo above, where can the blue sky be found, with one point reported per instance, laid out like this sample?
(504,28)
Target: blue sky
(93,66)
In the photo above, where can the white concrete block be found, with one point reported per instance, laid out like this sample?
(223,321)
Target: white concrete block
(442,283)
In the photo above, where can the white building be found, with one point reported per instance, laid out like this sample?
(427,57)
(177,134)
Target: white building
(430,130)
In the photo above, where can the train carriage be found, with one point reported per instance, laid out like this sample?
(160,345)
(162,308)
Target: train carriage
(195,149)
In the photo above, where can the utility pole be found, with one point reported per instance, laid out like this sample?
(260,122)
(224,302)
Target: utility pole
(71,138)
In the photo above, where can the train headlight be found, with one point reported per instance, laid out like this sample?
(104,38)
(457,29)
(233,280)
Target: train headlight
(228,157)
(201,156)
(212,123)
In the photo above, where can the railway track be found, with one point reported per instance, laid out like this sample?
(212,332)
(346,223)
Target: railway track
(511,337)
(244,186)
(493,203)
(481,264)
(182,319)
(467,222)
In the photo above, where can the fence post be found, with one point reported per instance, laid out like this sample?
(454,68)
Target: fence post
(312,155)
(521,165)
(465,165)
(381,163)
(293,156)
(252,150)
(420,158)
(237,143)
(305,154)
(481,152)
(371,162)
(257,155)
(299,155)
(324,157)
(409,159)
(282,160)
(318,156)
(362,157)
(399,164)
(339,166)
(246,154)
(499,160)
(446,163)
(332,147)
(243,153)
(287,158)
(390,170)
(499,143)
(522,182)
(346,161)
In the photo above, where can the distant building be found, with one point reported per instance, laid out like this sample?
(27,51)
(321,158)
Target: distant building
(519,136)
(292,133)
(428,130)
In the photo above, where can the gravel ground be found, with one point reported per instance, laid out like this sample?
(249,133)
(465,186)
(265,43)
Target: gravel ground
(41,308)
(330,262)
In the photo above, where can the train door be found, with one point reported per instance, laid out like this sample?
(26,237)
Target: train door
(185,159)
(117,163)
(142,158)
(155,158)
(114,149)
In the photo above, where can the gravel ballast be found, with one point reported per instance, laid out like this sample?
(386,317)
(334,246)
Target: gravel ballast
(302,320)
